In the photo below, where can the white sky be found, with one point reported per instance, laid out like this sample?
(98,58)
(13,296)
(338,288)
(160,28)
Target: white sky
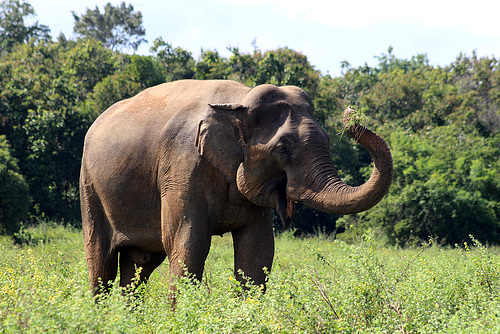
(326,31)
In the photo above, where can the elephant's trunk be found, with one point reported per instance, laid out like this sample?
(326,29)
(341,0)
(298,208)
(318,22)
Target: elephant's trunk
(322,189)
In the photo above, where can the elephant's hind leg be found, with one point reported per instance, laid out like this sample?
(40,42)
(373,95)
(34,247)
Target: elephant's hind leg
(103,266)
(102,258)
(132,258)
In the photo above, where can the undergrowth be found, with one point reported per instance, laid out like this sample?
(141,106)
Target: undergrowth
(317,285)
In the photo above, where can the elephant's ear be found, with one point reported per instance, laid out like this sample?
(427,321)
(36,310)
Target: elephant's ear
(220,139)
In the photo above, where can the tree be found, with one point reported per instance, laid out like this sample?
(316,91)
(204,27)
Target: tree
(388,62)
(13,29)
(134,74)
(42,86)
(86,64)
(477,81)
(243,66)
(175,63)
(117,27)
(14,198)
(211,66)
(287,67)
(395,95)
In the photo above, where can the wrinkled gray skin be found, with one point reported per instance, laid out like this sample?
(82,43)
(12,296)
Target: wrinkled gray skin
(165,170)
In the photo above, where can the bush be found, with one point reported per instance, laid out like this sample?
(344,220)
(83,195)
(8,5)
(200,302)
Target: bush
(445,186)
(14,198)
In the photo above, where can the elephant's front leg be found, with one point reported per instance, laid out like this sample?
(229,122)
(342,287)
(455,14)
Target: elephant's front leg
(187,243)
(188,254)
(254,249)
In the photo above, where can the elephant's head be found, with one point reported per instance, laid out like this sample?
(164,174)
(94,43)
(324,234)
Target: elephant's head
(275,152)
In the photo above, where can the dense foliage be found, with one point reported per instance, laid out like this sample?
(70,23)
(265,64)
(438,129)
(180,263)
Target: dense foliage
(442,123)
(315,286)
(14,198)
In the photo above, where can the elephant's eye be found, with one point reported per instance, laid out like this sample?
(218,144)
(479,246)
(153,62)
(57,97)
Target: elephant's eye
(282,147)
(283,151)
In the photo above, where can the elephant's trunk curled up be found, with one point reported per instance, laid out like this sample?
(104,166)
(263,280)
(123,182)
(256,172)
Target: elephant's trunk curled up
(325,191)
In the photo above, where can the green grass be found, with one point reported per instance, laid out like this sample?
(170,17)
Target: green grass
(316,285)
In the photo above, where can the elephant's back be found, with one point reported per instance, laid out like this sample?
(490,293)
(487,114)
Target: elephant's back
(153,107)
(133,131)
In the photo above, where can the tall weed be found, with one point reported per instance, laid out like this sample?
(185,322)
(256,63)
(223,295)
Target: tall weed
(316,285)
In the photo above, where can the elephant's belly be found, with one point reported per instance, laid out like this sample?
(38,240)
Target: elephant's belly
(139,228)
(148,240)
(238,216)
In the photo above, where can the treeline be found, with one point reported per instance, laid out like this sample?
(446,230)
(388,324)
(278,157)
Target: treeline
(441,122)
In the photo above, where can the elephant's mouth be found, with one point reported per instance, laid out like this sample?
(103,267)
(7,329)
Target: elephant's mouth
(284,205)
(270,193)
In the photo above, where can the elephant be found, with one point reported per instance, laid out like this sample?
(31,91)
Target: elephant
(164,171)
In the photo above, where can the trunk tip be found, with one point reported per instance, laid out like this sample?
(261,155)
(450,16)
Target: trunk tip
(352,117)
